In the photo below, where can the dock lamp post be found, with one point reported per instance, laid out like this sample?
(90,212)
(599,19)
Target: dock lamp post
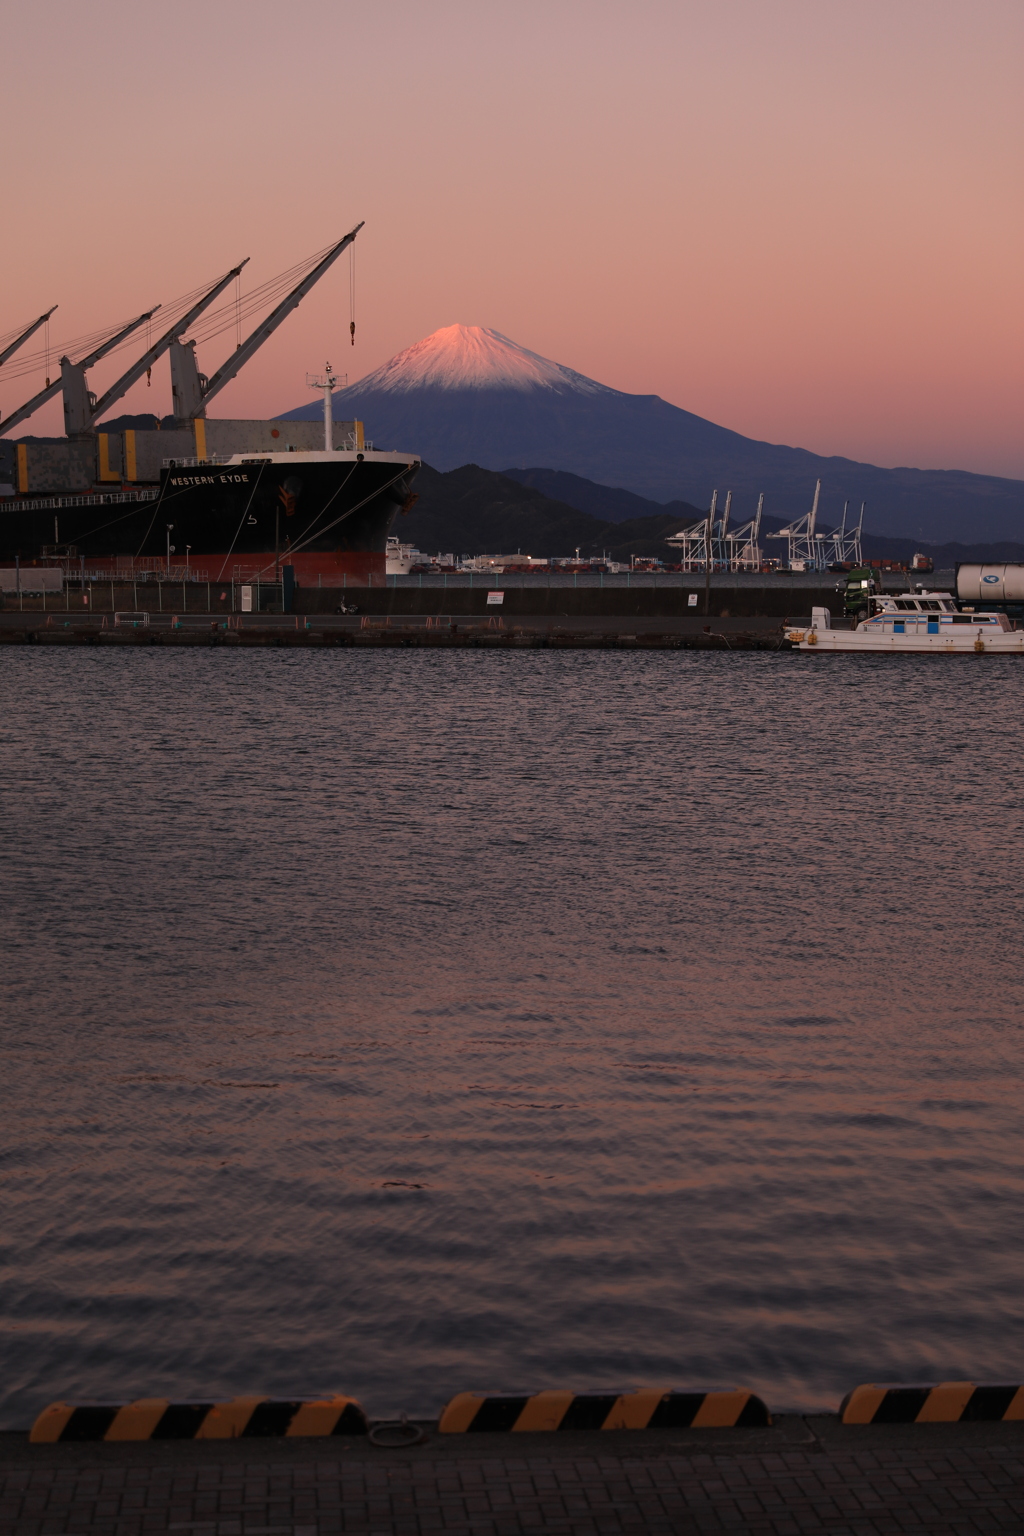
(170,547)
(188,551)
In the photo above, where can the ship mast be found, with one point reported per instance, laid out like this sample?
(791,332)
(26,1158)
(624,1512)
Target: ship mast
(325,383)
(328,412)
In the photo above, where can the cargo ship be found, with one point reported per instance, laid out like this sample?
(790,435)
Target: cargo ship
(198,498)
(239,517)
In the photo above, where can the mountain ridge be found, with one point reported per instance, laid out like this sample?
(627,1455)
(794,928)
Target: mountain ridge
(471,395)
(471,510)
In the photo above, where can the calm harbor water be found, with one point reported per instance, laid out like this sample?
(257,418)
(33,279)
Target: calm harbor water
(410,1023)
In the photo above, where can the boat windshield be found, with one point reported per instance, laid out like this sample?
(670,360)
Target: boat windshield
(928,604)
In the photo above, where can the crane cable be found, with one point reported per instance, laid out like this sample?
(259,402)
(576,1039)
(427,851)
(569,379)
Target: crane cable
(29,362)
(213,322)
(352,292)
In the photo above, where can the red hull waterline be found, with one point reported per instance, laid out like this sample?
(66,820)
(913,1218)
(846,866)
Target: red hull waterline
(327,568)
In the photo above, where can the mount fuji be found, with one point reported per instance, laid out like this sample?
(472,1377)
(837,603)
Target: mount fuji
(468,395)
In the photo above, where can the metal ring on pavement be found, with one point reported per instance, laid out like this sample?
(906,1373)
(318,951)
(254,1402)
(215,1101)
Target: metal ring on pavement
(408,1434)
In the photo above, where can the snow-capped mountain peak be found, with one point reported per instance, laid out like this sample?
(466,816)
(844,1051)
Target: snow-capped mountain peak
(473,357)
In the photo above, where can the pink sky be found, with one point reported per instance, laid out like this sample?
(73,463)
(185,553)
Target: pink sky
(801,219)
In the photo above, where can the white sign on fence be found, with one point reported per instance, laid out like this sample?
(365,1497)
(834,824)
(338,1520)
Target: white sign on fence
(691,601)
(247,599)
(495,597)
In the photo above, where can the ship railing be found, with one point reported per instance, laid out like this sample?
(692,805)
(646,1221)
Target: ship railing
(127,571)
(176,573)
(96,499)
(211,458)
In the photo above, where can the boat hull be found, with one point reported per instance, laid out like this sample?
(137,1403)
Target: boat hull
(968,644)
(327,515)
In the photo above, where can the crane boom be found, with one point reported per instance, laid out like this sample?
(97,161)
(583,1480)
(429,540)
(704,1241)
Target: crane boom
(31,406)
(242,354)
(813,514)
(125,382)
(10,351)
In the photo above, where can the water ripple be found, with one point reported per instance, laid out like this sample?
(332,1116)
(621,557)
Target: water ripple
(407,1023)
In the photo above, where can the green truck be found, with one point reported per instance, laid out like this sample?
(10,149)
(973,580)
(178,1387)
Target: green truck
(861,587)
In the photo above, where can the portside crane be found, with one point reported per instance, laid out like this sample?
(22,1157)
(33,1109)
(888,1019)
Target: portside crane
(21,340)
(75,424)
(73,376)
(192,391)
(804,541)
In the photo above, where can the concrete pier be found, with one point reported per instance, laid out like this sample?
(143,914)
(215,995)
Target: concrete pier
(806,1474)
(309,631)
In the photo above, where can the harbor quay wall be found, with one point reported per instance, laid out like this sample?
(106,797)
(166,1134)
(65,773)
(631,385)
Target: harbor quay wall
(398,602)
(555,602)
(313,634)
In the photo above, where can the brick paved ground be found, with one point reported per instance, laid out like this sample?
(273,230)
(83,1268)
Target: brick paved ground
(846,1483)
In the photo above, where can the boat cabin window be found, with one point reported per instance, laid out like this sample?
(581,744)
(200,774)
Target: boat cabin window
(903,604)
(932,607)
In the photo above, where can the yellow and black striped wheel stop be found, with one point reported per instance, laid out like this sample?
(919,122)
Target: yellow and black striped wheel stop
(648,1408)
(947,1402)
(156,1418)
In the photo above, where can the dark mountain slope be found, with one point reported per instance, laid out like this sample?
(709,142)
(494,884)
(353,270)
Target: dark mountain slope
(609,502)
(475,511)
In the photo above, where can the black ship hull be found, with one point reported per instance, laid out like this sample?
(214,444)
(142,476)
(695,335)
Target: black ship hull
(327,515)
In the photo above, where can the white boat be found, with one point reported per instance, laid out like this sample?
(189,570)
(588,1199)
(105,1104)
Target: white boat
(400,558)
(914,621)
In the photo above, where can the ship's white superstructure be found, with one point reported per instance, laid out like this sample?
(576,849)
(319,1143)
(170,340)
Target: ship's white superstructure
(403,558)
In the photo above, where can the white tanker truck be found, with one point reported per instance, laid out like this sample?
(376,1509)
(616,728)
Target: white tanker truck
(996,587)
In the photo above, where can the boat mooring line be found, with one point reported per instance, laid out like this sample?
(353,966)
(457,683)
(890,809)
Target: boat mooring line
(241,522)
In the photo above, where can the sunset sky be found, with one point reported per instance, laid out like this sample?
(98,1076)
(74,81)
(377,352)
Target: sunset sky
(799,218)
